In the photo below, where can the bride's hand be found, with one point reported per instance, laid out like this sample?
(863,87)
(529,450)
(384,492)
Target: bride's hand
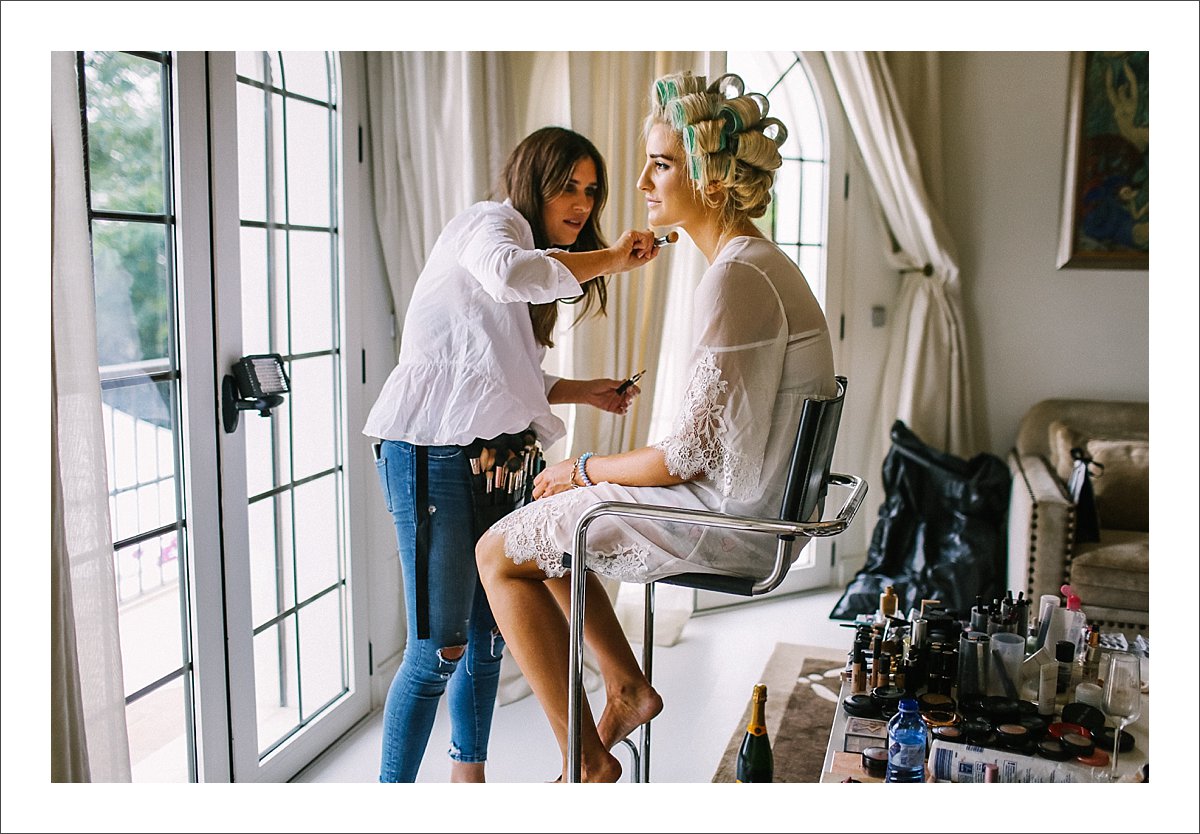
(554,479)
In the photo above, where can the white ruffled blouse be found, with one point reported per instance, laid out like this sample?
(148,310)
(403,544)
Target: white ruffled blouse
(469,365)
(763,347)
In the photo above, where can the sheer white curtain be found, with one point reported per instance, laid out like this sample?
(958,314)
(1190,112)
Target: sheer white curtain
(608,97)
(924,380)
(89,739)
(439,128)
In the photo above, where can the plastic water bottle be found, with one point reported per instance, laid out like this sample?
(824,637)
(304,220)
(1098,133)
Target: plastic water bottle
(907,741)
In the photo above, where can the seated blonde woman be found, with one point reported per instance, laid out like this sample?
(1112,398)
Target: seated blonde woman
(762,348)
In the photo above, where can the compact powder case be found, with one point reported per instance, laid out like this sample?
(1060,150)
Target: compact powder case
(1060,728)
(1035,724)
(1098,759)
(1085,716)
(931,701)
(978,731)
(938,718)
(970,705)
(1077,744)
(1000,709)
(1105,740)
(1014,737)
(1053,749)
(860,706)
(950,733)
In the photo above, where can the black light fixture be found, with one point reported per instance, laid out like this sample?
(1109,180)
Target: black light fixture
(258,383)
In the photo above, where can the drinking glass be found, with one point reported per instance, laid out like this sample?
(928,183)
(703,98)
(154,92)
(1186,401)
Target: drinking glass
(1122,696)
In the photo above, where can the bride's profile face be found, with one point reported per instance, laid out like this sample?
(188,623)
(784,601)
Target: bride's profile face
(671,199)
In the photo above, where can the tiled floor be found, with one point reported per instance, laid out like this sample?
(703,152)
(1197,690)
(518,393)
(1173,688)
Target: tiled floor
(705,679)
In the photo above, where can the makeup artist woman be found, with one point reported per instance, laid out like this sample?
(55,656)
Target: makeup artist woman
(475,332)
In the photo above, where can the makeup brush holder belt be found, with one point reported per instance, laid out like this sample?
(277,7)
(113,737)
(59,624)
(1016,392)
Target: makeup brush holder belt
(502,473)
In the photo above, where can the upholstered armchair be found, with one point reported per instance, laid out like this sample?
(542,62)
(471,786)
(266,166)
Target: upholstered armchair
(1111,576)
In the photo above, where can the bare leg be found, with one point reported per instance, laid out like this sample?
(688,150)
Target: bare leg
(630,700)
(466,771)
(463,771)
(536,632)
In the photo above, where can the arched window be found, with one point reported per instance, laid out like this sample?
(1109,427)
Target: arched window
(798,217)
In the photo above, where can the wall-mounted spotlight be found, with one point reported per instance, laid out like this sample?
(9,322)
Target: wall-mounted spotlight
(258,383)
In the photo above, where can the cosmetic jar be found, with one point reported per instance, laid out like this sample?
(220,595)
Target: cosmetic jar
(874,760)
(887,699)
(1090,694)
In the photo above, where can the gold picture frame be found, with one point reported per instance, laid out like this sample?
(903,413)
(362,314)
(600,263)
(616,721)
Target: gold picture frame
(1105,199)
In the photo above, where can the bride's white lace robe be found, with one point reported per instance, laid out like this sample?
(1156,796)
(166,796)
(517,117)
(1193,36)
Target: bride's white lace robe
(762,348)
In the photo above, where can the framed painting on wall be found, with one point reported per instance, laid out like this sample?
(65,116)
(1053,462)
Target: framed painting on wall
(1106,180)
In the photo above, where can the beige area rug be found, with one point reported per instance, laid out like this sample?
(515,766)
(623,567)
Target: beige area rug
(802,692)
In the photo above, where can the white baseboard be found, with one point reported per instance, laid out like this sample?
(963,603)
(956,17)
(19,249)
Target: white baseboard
(381,678)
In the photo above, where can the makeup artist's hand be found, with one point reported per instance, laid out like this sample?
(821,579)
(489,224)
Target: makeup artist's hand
(602,394)
(554,479)
(632,249)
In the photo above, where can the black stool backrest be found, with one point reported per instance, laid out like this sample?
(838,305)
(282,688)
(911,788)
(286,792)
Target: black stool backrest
(812,456)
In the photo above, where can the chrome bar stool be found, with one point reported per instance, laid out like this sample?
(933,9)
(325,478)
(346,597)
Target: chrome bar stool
(808,482)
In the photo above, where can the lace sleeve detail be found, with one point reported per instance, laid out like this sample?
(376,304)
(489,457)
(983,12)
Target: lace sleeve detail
(698,444)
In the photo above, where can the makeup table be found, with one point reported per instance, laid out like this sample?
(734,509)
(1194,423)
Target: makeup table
(840,765)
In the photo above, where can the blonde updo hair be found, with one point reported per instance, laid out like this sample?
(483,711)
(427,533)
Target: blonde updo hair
(727,137)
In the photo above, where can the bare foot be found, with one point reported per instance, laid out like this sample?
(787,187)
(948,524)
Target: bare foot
(605,768)
(625,711)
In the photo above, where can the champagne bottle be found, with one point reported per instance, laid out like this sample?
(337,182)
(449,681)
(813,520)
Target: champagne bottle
(754,761)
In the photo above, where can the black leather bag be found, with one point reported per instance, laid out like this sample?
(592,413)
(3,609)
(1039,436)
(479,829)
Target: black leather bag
(942,531)
(1087,519)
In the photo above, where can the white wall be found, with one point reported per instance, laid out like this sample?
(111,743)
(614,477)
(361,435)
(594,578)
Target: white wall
(373,536)
(1034,331)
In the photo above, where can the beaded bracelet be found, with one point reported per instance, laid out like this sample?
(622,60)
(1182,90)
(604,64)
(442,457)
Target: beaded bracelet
(581,466)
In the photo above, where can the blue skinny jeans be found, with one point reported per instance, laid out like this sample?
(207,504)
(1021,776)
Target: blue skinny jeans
(459,615)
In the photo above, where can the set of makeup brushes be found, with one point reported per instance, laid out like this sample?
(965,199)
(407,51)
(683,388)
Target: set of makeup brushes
(503,468)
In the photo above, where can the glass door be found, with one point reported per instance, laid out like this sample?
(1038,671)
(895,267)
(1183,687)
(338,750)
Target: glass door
(295,686)
(214,194)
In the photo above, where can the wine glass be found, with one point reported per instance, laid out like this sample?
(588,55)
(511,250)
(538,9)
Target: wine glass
(1122,696)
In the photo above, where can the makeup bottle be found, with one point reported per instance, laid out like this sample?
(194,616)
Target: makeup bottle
(858,673)
(1075,619)
(887,603)
(1047,685)
(1090,659)
(1064,653)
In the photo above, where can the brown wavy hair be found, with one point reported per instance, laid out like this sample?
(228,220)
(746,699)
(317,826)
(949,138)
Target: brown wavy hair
(536,172)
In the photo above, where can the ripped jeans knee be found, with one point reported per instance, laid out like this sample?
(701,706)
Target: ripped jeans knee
(451,653)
